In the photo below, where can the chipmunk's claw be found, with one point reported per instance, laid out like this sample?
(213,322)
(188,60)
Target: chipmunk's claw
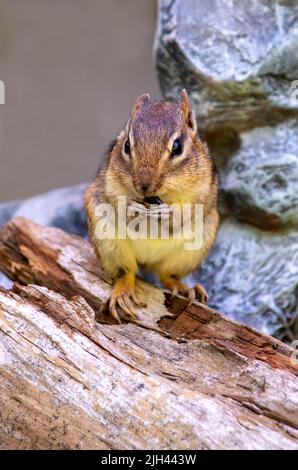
(175,292)
(198,292)
(123,300)
(123,307)
(111,307)
(191,293)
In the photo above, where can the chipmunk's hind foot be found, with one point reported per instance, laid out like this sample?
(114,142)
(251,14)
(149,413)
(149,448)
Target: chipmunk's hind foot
(197,292)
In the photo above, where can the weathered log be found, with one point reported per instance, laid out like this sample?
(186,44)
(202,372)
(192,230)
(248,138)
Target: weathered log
(193,380)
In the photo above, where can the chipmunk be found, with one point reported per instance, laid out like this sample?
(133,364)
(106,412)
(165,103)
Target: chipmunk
(157,156)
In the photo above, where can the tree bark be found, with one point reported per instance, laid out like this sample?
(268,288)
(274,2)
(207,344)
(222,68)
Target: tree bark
(181,377)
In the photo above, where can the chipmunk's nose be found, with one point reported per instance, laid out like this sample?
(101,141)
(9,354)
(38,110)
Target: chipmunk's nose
(144,180)
(145,187)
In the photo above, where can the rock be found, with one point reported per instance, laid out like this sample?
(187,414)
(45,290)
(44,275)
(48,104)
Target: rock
(252,276)
(6,211)
(63,208)
(238,59)
(260,180)
(5,281)
(239,63)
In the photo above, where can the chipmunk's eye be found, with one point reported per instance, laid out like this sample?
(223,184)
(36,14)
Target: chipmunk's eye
(127,147)
(177,148)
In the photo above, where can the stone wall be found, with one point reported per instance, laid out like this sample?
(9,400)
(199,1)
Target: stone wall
(239,62)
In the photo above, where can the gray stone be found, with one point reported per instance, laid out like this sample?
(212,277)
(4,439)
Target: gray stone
(237,58)
(6,211)
(260,181)
(5,281)
(62,208)
(252,276)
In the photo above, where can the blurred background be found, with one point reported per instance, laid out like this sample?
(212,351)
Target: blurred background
(71,75)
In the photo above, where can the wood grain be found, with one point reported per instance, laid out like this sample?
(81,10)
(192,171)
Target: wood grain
(183,377)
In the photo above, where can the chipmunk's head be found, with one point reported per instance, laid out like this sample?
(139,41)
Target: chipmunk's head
(160,154)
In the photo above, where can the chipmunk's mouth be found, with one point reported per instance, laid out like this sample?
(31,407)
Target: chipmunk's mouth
(153,200)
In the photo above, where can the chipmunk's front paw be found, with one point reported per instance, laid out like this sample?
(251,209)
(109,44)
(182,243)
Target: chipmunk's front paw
(197,292)
(123,300)
(122,306)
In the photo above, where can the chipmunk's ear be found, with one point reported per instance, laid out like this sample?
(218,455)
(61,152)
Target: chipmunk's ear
(187,111)
(141,103)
